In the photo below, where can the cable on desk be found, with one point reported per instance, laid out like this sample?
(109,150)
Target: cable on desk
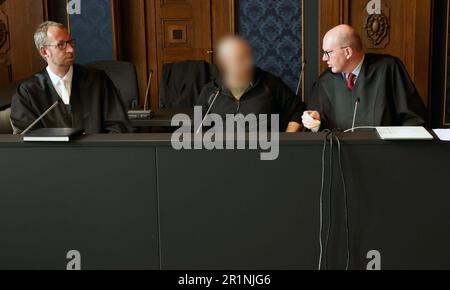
(323,258)
(330,197)
(325,142)
(346,210)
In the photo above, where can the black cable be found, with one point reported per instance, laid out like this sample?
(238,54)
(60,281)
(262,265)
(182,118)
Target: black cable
(329,138)
(325,141)
(347,227)
(330,195)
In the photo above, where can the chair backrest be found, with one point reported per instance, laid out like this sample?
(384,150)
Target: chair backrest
(182,82)
(6,94)
(123,75)
(5,122)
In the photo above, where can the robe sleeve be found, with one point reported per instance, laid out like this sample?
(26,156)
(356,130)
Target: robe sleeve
(291,106)
(409,107)
(22,114)
(317,102)
(115,116)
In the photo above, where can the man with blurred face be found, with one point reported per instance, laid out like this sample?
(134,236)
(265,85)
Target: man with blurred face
(246,89)
(377,87)
(87,97)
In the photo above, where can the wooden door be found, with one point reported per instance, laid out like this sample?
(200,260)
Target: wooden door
(183,30)
(155,32)
(401,29)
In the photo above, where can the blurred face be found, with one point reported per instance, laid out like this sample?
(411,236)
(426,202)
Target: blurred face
(236,63)
(334,55)
(59,51)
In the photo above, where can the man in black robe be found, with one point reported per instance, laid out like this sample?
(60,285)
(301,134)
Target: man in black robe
(378,85)
(246,89)
(87,97)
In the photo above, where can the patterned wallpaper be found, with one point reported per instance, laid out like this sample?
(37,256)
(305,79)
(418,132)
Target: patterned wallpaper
(92,30)
(274,28)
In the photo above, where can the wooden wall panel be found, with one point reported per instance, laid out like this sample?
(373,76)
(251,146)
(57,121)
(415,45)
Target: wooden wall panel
(19,58)
(133,38)
(224,21)
(409,33)
(445,100)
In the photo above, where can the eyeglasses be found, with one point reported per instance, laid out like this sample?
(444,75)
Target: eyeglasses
(63,44)
(327,53)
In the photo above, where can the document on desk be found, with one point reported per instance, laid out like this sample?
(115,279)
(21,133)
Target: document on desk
(404,133)
(443,134)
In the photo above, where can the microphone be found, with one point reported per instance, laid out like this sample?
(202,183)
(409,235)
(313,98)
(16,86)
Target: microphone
(216,95)
(147,93)
(300,81)
(146,113)
(358,100)
(41,117)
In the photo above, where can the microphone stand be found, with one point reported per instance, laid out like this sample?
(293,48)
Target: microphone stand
(354,114)
(219,90)
(40,118)
(300,81)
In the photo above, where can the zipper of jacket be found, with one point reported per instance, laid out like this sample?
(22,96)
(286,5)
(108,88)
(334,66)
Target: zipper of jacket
(238,109)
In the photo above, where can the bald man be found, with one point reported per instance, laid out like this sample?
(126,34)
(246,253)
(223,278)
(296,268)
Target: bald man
(246,89)
(87,97)
(380,84)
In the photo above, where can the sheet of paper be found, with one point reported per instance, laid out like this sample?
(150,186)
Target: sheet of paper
(443,134)
(404,133)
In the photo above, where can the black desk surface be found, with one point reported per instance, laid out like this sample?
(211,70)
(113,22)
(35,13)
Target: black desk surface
(164,139)
(133,202)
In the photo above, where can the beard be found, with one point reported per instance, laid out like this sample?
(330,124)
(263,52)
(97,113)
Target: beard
(63,61)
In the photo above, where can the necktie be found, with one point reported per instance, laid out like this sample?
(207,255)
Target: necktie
(64,93)
(351,81)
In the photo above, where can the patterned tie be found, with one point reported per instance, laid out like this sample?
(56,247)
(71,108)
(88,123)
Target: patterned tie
(351,81)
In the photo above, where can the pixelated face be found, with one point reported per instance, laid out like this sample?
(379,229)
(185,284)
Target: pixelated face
(236,60)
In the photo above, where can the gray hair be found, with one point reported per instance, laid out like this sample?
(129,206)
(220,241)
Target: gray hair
(40,36)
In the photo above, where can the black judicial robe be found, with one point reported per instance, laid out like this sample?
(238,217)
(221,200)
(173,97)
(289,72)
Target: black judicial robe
(95,104)
(387,96)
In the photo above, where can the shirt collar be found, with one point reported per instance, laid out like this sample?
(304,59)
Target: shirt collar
(56,79)
(357,70)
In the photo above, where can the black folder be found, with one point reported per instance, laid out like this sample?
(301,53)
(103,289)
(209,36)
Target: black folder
(53,135)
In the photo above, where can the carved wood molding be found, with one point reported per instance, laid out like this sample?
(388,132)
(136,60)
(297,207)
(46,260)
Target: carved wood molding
(376,30)
(4,30)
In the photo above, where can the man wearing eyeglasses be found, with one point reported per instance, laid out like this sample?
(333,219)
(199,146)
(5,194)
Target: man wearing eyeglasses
(87,97)
(377,87)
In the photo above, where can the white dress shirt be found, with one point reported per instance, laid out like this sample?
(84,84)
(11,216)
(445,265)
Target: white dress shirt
(63,86)
(356,71)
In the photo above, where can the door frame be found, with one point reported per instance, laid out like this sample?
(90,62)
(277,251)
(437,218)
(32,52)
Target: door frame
(439,79)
